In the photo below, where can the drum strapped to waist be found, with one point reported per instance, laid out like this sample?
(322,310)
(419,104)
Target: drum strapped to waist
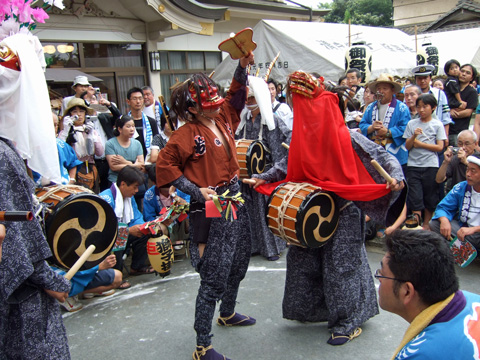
(302,214)
(75,219)
(251,156)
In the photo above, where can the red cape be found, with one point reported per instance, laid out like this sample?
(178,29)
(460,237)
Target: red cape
(321,152)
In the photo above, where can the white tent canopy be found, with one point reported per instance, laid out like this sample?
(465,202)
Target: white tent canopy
(321,47)
(462,45)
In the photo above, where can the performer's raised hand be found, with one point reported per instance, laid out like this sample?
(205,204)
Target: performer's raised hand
(250,59)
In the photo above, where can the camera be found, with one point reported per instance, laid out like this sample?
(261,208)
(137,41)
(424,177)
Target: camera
(455,150)
(97,90)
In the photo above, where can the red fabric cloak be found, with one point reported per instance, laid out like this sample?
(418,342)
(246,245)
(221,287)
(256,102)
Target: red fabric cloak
(321,152)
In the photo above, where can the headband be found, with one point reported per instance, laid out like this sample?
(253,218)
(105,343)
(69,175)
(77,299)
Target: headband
(474,159)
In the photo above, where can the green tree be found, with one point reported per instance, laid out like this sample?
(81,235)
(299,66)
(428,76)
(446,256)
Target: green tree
(361,12)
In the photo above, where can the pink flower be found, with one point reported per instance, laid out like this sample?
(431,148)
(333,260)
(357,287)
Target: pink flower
(24,11)
(39,15)
(5,10)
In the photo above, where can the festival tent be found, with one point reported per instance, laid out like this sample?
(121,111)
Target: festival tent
(321,47)
(462,45)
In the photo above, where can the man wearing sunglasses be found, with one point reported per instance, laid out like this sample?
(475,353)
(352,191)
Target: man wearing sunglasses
(418,282)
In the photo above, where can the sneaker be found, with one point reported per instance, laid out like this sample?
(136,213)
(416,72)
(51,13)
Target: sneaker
(236,320)
(92,295)
(207,353)
(72,304)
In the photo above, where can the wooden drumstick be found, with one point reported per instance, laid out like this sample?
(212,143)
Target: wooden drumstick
(285,146)
(16,216)
(249,181)
(381,171)
(78,264)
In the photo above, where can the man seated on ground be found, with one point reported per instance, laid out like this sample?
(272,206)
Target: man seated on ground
(101,280)
(458,214)
(120,196)
(158,198)
(418,282)
(454,165)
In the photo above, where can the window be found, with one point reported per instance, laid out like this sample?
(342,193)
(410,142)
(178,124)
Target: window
(113,55)
(178,65)
(61,55)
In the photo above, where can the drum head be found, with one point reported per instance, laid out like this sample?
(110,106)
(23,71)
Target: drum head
(317,219)
(256,158)
(79,221)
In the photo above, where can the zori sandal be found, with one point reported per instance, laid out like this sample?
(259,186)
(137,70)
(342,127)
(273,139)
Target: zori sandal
(236,319)
(340,339)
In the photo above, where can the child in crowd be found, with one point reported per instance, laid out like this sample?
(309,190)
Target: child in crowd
(157,198)
(438,83)
(425,137)
(452,85)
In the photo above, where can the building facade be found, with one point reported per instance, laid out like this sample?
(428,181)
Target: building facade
(124,43)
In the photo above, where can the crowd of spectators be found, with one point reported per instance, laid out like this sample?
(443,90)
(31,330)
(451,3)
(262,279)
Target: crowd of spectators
(424,122)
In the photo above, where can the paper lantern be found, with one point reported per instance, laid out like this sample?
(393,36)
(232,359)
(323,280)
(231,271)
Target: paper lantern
(160,254)
(358,56)
(428,54)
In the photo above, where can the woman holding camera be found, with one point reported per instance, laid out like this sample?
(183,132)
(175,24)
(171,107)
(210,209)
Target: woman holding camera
(78,131)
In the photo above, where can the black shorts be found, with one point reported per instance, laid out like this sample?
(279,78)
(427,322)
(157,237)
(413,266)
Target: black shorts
(422,188)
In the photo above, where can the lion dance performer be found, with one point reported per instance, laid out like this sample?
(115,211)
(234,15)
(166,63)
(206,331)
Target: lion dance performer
(200,160)
(259,123)
(31,326)
(334,282)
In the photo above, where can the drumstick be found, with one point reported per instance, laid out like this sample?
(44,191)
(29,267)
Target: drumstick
(285,146)
(249,181)
(16,215)
(381,171)
(78,264)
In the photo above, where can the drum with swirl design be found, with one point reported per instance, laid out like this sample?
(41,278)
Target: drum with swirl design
(251,156)
(75,219)
(302,214)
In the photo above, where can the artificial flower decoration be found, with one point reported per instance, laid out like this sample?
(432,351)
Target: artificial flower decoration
(23,14)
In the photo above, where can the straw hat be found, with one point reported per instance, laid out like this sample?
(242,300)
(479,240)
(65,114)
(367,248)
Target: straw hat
(78,102)
(386,79)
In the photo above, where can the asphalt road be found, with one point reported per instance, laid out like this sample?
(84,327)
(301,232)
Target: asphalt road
(153,320)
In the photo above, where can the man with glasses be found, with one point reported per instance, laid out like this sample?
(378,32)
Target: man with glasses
(454,165)
(418,282)
(458,214)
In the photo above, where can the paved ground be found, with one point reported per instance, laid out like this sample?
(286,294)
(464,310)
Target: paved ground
(154,320)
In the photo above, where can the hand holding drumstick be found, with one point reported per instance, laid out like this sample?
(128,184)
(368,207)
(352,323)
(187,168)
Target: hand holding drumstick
(254,182)
(391,182)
